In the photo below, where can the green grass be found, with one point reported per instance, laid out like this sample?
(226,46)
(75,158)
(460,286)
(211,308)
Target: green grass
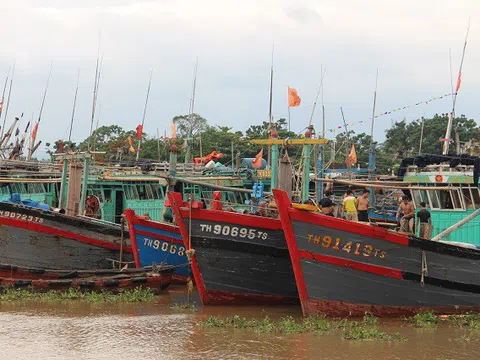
(320,324)
(426,319)
(123,296)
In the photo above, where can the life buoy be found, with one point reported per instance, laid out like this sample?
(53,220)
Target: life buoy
(439,178)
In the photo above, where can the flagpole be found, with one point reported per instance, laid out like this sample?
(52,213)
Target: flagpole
(144,113)
(289,118)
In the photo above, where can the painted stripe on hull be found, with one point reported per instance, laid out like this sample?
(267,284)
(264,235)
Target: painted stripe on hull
(151,231)
(29,248)
(218,297)
(354,291)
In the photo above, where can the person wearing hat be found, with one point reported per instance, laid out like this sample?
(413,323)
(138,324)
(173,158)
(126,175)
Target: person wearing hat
(327,205)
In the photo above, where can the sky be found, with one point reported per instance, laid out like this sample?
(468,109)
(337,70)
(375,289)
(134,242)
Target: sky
(408,42)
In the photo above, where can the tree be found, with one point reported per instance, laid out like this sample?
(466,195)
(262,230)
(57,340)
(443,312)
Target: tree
(189,125)
(113,140)
(67,146)
(403,139)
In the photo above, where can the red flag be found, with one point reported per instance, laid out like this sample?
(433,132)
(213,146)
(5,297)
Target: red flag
(257,162)
(34,132)
(139,131)
(459,81)
(352,157)
(293,98)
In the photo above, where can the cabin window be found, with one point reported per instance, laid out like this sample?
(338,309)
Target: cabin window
(475,197)
(157,191)
(417,197)
(433,199)
(149,193)
(108,195)
(457,199)
(98,194)
(468,198)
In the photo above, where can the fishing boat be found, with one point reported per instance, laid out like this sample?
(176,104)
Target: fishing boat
(238,258)
(36,237)
(348,268)
(157,243)
(41,279)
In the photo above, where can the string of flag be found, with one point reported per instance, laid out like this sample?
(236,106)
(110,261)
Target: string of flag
(426,102)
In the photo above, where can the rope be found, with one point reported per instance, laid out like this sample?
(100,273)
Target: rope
(424,268)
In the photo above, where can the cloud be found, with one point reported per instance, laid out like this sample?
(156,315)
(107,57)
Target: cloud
(408,42)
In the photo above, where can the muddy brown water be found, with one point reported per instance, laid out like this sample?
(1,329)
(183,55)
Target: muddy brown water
(80,330)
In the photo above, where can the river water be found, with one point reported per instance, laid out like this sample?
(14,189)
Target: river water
(80,330)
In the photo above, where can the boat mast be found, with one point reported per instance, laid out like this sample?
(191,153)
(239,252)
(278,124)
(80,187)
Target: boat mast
(34,146)
(95,90)
(371,157)
(191,113)
(270,118)
(8,99)
(3,99)
(144,113)
(74,106)
(347,147)
(318,148)
(446,141)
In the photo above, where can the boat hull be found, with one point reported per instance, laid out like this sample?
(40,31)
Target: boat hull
(238,259)
(346,268)
(34,238)
(156,243)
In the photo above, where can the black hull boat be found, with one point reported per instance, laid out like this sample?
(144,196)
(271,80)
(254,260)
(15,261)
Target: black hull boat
(33,237)
(239,259)
(348,268)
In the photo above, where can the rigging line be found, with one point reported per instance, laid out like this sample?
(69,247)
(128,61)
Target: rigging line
(320,90)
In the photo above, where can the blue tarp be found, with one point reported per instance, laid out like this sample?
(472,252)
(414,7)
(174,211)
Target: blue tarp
(16,199)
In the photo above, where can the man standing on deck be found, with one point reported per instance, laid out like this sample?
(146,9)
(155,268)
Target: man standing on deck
(363,203)
(327,205)
(408,218)
(350,206)
(425,221)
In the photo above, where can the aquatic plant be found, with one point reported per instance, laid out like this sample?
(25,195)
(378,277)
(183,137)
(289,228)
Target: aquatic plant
(468,321)
(366,330)
(183,307)
(425,319)
(359,331)
(123,296)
